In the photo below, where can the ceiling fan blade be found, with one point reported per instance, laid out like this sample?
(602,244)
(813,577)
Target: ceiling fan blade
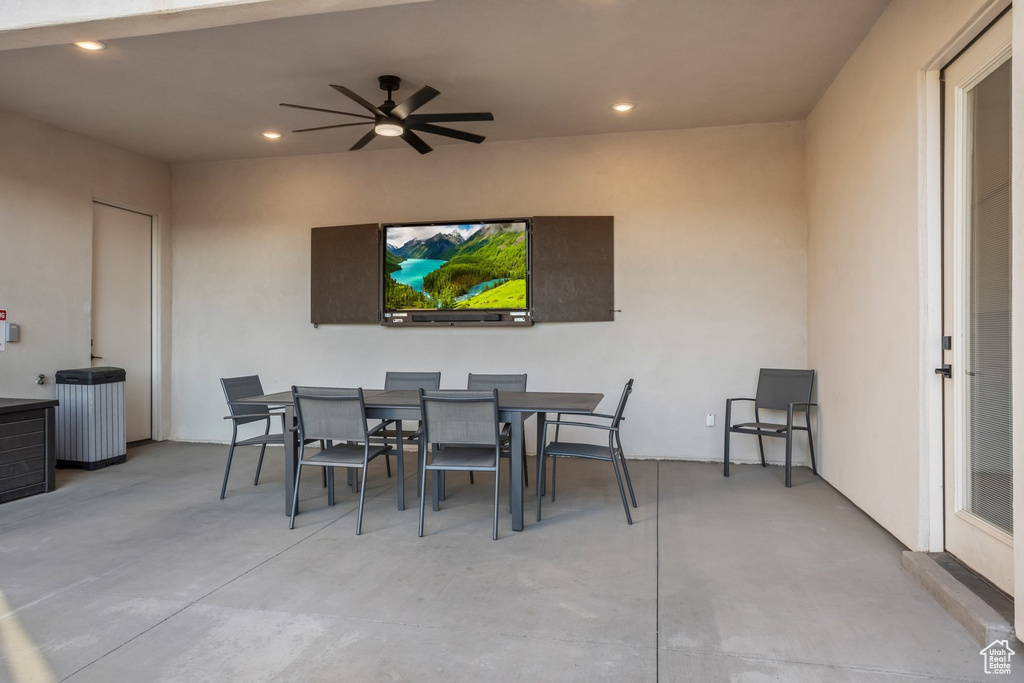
(358,100)
(415,101)
(416,141)
(329,111)
(363,140)
(337,125)
(447,132)
(445,118)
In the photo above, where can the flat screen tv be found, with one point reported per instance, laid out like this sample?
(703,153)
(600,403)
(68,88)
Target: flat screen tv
(456,272)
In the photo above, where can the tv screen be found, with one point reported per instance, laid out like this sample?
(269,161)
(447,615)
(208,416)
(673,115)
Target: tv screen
(479,266)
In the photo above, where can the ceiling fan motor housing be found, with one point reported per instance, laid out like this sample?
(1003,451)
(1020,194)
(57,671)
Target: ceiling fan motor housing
(389,83)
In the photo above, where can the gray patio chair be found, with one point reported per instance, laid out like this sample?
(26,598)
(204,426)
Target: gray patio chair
(466,422)
(501,383)
(407,381)
(566,449)
(337,416)
(236,388)
(788,390)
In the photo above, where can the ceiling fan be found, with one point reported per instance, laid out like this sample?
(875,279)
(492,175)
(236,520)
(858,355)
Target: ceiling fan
(398,120)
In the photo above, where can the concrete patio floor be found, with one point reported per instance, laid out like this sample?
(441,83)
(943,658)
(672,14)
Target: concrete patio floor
(138,572)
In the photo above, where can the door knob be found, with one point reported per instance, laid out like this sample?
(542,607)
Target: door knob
(946,370)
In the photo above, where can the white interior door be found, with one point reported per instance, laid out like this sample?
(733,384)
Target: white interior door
(978,472)
(122,316)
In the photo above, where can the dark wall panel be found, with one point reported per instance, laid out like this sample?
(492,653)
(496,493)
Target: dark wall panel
(573,268)
(344,274)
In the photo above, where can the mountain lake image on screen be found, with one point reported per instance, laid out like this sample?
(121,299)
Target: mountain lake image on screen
(456,266)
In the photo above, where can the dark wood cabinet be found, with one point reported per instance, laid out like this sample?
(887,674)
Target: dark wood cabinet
(27,454)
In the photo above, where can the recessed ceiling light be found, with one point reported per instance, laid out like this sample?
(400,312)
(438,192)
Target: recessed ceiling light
(623,106)
(271,135)
(92,45)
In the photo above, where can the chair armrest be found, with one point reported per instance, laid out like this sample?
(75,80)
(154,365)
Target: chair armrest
(728,410)
(789,413)
(266,406)
(378,428)
(577,416)
(607,428)
(248,415)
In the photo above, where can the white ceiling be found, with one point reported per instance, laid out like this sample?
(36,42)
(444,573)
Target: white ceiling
(545,68)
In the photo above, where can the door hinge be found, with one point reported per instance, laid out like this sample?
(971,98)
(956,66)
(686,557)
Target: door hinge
(947,342)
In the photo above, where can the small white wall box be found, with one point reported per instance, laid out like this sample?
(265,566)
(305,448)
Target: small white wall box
(12,332)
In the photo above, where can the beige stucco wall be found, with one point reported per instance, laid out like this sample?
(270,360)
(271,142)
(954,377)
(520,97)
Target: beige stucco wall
(48,180)
(709,254)
(869,289)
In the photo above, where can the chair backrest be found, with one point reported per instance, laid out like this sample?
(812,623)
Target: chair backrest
(330,413)
(412,380)
(243,387)
(776,389)
(626,391)
(499,382)
(455,417)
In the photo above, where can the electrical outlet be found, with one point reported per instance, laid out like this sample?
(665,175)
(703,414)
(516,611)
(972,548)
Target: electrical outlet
(709,420)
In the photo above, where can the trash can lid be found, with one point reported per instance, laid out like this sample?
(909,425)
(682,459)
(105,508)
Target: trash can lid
(101,375)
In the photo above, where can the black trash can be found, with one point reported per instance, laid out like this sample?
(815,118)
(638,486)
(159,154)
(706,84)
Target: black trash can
(90,417)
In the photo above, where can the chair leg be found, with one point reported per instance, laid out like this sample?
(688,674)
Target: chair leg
(443,488)
(471,479)
(400,462)
(540,481)
(760,444)
(259,465)
(423,485)
(725,457)
(554,464)
(227,468)
(323,475)
(419,461)
(387,464)
(497,480)
(810,442)
(622,490)
(295,497)
(330,486)
(362,499)
(625,469)
(438,487)
(789,459)
(526,471)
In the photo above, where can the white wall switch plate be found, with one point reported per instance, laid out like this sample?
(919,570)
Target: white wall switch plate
(709,420)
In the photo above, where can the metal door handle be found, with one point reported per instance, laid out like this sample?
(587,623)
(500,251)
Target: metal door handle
(101,358)
(946,370)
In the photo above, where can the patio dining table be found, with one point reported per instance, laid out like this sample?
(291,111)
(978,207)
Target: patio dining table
(513,407)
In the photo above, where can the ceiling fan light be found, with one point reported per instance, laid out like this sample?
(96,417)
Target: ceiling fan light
(623,106)
(389,129)
(271,135)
